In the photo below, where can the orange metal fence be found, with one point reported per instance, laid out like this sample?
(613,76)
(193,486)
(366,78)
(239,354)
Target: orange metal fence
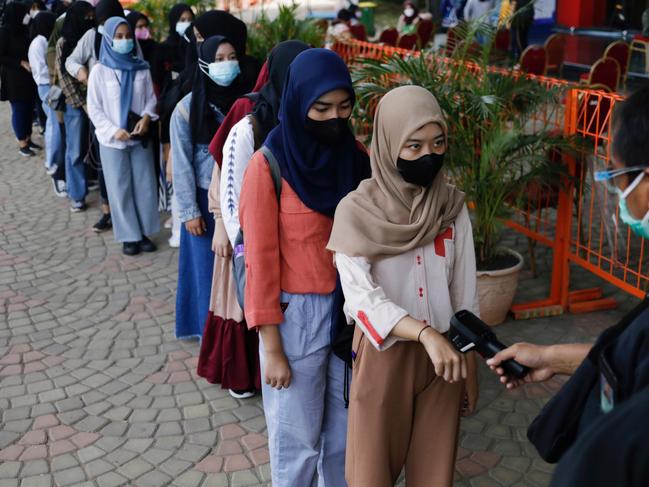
(568,216)
(353,51)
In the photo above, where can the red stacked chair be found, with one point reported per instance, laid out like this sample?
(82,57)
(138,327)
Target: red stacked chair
(620,51)
(555,48)
(534,60)
(358,31)
(425,32)
(605,72)
(408,41)
(389,37)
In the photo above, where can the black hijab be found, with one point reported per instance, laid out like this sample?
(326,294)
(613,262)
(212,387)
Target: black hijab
(149,45)
(220,23)
(74,27)
(173,17)
(12,20)
(42,24)
(266,110)
(133,17)
(207,95)
(104,10)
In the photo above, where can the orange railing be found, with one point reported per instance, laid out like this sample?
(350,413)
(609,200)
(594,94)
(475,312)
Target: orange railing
(567,216)
(353,51)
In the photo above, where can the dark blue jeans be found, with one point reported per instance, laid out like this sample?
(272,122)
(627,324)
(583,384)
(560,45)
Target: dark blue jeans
(22,113)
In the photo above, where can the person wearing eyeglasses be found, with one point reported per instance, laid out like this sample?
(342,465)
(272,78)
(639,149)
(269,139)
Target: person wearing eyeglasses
(596,424)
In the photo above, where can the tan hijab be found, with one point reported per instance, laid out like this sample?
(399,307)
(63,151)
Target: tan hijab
(387,216)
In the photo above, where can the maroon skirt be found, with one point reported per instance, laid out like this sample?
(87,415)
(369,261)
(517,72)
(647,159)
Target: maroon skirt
(229,354)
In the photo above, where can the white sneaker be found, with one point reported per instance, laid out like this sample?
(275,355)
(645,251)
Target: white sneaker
(174,241)
(50,171)
(241,394)
(169,222)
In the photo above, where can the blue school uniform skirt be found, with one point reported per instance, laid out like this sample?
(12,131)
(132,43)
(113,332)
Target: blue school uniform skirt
(195,266)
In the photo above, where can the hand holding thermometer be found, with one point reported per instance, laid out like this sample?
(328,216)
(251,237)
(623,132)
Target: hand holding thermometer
(468,332)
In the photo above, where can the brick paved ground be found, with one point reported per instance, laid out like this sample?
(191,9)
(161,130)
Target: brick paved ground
(96,391)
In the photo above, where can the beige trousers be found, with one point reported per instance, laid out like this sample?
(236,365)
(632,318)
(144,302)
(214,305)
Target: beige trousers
(400,413)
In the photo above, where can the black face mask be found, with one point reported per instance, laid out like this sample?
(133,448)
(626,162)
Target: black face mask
(422,171)
(327,131)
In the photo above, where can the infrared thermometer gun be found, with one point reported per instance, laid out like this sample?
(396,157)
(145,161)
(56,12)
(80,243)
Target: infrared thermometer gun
(468,332)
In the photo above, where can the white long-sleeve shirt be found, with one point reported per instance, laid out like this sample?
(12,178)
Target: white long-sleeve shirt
(430,283)
(104,102)
(237,151)
(83,54)
(37,56)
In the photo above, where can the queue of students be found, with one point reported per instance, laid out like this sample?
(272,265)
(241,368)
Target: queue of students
(333,236)
(302,187)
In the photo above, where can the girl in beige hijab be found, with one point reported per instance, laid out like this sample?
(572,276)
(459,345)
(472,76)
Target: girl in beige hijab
(405,255)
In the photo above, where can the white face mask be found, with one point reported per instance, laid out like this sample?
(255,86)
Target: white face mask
(26,19)
(100,29)
(181,27)
(33,13)
(409,12)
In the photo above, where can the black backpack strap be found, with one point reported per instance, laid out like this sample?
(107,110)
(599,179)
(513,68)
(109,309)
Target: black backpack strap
(275,171)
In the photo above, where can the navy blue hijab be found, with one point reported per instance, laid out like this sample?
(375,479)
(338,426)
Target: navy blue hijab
(320,174)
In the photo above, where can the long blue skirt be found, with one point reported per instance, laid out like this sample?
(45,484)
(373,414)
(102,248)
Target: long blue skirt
(195,267)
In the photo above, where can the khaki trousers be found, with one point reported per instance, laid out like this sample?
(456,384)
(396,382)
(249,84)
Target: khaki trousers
(400,413)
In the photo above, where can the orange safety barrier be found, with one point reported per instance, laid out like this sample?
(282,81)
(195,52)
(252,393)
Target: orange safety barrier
(566,216)
(352,51)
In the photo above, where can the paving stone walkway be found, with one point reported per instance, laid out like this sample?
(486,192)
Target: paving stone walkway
(96,391)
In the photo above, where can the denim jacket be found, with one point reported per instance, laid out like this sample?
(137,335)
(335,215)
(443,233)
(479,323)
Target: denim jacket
(192,163)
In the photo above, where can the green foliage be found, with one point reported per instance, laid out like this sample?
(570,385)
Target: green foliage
(265,34)
(158,10)
(497,148)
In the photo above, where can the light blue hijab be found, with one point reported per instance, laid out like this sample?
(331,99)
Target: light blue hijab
(128,64)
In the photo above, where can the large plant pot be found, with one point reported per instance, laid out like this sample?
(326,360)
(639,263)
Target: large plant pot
(496,290)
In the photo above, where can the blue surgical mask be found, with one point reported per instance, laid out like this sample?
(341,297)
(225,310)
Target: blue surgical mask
(181,27)
(222,73)
(123,46)
(638,226)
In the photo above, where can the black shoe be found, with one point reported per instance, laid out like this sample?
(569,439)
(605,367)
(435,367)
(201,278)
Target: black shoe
(59,188)
(26,151)
(31,145)
(104,223)
(147,245)
(131,248)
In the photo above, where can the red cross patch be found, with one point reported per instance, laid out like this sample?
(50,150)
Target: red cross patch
(440,241)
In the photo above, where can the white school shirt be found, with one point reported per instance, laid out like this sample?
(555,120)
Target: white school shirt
(83,54)
(104,102)
(429,283)
(237,152)
(37,56)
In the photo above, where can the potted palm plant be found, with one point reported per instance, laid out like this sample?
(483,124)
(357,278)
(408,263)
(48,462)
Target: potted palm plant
(266,33)
(495,150)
